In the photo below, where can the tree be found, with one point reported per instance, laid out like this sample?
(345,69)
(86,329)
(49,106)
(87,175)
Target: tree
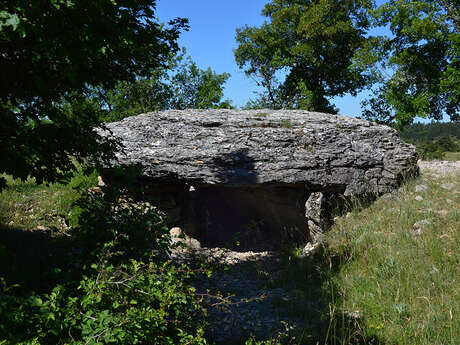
(147,93)
(195,88)
(178,85)
(52,53)
(312,43)
(417,69)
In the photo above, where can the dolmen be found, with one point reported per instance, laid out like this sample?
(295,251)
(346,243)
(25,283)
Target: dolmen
(259,179)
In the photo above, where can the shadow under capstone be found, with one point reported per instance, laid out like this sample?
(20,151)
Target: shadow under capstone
(244,219)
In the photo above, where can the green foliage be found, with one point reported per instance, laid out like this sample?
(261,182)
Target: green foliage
(417,68)
(56,50)
(286,123)
(117,286)
(312,43)
(178,85)
(134,302)
(435,149)
(430,131)
(127,99)
(447,144)
(194,88)
(433,139)
(430,150)
(283,337)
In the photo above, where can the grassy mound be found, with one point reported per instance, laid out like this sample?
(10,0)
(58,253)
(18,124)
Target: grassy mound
(399,264)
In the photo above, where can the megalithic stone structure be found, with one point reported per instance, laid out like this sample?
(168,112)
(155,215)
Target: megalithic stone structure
(256,178)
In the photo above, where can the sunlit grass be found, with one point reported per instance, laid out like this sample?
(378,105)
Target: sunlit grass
(28,206)
(452,156)
(404,279)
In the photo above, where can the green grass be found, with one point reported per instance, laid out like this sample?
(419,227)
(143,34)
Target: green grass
(286,123)
(34,227)
(28,206)
(261,114)
(452,156)
(405,286)
(378,281)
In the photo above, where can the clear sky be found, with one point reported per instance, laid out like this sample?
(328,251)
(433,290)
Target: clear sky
(211,41)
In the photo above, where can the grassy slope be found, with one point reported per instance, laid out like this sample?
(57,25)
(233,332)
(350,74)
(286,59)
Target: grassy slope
(26,206)
(406,286)
(33,224)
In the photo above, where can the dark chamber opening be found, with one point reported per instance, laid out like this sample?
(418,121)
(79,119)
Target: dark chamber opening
(249,218)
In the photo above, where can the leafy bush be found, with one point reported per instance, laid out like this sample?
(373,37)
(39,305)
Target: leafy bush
(119,286)
(104,216)
(430,151)
(447,143)
(435,149)
(132,303)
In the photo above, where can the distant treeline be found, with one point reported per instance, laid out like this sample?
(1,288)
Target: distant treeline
(433,139)
(430,131)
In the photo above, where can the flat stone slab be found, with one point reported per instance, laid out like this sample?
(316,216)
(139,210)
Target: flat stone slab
(259,179)
(244,148)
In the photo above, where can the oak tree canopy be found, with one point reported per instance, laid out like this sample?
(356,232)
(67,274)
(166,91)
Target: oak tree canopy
(53,51)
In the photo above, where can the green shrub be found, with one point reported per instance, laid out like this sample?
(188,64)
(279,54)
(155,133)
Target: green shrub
(447,143)
(132,303)
(431,150)
(119,286)
(135,228)
(436,148)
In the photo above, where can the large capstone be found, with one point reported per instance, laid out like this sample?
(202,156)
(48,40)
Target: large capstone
(257,178)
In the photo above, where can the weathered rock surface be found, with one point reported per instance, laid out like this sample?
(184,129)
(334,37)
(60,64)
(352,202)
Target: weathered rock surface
(326,152)
(252,164)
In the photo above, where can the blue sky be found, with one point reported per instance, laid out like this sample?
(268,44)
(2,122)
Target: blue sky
(211,41)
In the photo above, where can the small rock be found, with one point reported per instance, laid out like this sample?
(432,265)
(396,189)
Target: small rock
(178,236)
(309,250)
(420,226)
(448,186)
(417,232)
(418,198)
(442,212)
(420,188)
(175,232)
(352,314)
(94,190)
(422,223)
(389,196)
(100,182)
(193,243)
(41,228)
(434,270)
